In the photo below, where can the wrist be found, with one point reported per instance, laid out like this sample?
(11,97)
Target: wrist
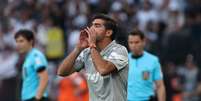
(92,45)
(37,98)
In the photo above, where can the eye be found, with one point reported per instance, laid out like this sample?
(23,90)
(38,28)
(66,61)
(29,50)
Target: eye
(97,25)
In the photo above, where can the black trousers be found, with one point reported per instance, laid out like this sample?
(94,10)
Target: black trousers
(34,99)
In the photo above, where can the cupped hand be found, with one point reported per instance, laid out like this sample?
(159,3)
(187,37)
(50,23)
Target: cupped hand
(91,34)
(83,40)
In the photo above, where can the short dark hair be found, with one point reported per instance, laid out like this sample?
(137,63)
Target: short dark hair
(109,23)
(27,34)
(137,32)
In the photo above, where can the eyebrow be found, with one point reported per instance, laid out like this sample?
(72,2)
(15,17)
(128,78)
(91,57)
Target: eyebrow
(96,24)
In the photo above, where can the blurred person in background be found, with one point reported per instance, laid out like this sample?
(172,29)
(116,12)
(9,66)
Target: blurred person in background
(104,61)
(75,86)
(197,91)
(8,72)
(145,75)
(190,74)
(34,70)
(8,61)
(146,14)
(172,82)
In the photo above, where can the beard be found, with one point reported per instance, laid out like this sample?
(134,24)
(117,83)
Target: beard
(99,38)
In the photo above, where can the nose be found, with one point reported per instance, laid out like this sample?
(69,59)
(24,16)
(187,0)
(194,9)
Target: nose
(17,44)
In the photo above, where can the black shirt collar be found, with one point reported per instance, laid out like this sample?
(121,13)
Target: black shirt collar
(136,56)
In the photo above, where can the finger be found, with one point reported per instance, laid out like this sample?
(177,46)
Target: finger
(93,31)
(83,35)
(89,29)
(88,33)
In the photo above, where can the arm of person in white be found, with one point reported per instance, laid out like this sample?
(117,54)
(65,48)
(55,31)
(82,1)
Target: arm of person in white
(102,66)
(74,61)
(116,61)
(67,66)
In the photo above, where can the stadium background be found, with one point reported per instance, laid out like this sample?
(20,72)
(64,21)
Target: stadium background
(172,27)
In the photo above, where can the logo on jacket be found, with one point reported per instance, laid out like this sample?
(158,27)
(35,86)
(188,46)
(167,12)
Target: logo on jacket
(146,75)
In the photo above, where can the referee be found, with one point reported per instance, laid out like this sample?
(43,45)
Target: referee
(145,74)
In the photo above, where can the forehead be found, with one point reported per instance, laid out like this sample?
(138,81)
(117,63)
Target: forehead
(134,38)
(98,21)
(21,38)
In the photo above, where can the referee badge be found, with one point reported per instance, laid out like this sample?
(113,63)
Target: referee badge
(146,75)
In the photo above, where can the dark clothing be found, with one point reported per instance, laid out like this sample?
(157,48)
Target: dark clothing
(34,99)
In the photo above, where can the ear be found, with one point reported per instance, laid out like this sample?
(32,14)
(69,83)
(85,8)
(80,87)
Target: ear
(109,33)
(144,41)
(32,42)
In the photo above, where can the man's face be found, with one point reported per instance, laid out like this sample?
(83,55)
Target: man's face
(23,45)
(136,44)
(98,25)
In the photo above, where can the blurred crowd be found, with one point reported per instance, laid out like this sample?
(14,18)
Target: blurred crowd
(172,28)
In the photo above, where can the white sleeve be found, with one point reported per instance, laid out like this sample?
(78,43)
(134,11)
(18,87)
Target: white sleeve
(119,57)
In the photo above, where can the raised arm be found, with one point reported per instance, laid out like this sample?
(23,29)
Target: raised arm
(66,67)
(104,67)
